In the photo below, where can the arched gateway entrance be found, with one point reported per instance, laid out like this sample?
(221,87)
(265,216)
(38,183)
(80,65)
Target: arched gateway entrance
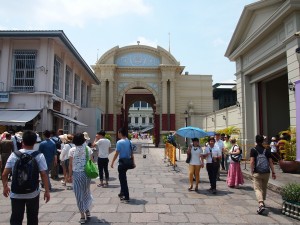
(143,73)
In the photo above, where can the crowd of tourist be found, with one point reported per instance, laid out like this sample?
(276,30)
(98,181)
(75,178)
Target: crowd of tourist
(56,153)
(70,152)
(223,153)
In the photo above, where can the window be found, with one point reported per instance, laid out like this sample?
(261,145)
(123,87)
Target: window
(76,89)
(136,104)
(136,120)
(68,83)
(150,120)
(143,120)
(24,70)
(88,96)
(144,104)
(83,94)
(57,78)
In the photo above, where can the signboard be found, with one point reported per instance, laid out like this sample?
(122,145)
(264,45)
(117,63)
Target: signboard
(4,96)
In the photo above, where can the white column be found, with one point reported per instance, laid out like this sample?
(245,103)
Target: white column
(103,93)
(164,103)
(172,97)
(110,97)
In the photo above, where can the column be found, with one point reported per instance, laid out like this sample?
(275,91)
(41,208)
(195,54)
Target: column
(110,98)
(172,105)
(164,105)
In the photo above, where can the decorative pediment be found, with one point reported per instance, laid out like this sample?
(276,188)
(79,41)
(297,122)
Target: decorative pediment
(255,17)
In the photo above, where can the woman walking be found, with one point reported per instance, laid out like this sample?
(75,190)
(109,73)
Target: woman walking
(195,164)
(81,182)
(123,150)
(213,156)
(235,175)
(64,157)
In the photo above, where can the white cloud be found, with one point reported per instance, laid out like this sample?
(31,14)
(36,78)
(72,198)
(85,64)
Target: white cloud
(145,41)
(72,12)
(219,42)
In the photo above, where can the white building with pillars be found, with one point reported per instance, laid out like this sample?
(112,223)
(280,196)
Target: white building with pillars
(153,75)
(264,47)
(44,83)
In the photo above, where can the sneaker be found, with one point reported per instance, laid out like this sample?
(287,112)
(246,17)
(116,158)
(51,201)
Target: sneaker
(214,191)
(260,209)
(121,195)
(125,200)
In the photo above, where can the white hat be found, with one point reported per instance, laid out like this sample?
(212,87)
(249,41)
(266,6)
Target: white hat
(86,136)
(38,138)
(273,139)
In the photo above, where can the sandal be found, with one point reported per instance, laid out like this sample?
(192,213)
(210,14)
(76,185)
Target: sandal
(88,213)
(99,185)
(196,188)
(190,188)
(82,220)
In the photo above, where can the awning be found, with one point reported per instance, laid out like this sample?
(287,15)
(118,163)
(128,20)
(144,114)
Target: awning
(17,117)
(70,119)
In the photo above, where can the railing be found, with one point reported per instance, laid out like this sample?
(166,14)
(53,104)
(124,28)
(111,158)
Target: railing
(170,154)
(22,88)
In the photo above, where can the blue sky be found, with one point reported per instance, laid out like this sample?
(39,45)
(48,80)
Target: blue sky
(200,30)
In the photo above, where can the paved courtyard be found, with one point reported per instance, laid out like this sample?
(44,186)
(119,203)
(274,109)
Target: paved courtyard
(159,195)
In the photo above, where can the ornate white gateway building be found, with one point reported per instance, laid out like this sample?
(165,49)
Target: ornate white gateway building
(142,73)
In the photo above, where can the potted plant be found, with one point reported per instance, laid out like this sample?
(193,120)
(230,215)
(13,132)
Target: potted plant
(288,163)
(291,200)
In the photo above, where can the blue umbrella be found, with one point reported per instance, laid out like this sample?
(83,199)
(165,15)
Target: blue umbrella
(191,132)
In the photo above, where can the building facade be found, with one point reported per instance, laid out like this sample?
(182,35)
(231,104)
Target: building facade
(264,47)
(44,82)
(142,73)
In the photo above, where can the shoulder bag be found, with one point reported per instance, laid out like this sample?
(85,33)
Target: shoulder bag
(127,163)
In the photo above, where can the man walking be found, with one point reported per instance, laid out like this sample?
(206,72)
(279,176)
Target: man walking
(261,162)
(48,148)
(103,146)
(30,200)
(219,144)
(6,148)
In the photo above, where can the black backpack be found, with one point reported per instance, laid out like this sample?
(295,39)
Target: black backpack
(57,142)
(25,177)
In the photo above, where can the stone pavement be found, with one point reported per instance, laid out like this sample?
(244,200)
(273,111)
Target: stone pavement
(159,195)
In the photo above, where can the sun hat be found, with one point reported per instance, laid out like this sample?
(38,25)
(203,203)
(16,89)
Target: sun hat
(86,136)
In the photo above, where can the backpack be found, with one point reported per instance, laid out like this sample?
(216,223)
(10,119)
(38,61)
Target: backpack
(57,142)
(262,163)
(236,158)
(25,176)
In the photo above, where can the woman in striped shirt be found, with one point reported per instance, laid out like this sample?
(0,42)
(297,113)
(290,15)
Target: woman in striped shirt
(81,182)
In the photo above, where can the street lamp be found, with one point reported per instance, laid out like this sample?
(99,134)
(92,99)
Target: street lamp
(186,115)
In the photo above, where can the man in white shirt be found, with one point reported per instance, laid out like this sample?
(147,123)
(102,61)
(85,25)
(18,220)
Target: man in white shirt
(103,146)
(219,144)
(28,199)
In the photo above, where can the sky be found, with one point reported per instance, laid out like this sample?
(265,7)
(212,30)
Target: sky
(197,32)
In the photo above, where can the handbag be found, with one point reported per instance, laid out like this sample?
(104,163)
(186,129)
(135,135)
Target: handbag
(188,158)
(236,158)
(90,167)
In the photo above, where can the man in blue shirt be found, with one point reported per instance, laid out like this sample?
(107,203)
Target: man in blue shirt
(123,150)
(48,148)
